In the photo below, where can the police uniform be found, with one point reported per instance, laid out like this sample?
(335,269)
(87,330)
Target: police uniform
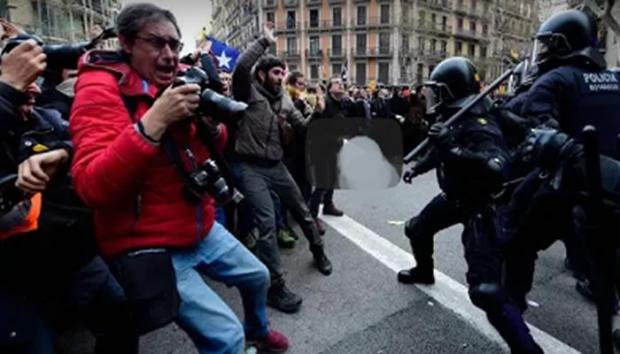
(471,158)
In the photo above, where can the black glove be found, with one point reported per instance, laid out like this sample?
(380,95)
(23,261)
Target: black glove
(410,175)
(439,135)
(547,147)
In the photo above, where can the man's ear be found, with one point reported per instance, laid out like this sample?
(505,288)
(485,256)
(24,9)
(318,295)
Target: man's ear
(126,44)
(262,76)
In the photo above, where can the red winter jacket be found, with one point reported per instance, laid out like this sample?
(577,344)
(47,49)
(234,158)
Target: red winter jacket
(133,187)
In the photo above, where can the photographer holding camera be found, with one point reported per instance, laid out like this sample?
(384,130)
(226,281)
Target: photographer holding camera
(126,116)
(49,269)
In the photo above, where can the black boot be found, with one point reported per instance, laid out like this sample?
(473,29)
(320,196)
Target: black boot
(282,298)
(321,261)
(416,275)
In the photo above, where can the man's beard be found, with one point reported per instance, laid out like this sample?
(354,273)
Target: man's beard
(272,87)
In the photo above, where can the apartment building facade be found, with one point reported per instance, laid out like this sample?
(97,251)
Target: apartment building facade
(385,41)
(60,20)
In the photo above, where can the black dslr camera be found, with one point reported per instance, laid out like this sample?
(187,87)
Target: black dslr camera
(212,103)
(208,178)
(60,56)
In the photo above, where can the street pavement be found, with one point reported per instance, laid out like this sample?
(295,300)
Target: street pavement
(361,308)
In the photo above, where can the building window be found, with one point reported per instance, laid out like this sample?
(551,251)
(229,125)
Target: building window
(405,15)
(433,20)
(337,44)
(444,47)
(421,43)
(472,50)
(420,74)
(458,50)
(403,74)
(314,45)
(360,74)
(485,28)
(292,67)
(483,52)
(459,23)
(314,18)
(385,13)
(422,18)
(361,15)
(290,20)
(444,23)
(384,73)
(405,43)
(473,4)
(384,43)
(271,17)
(291,44)
(433,45)
(472,26)
(314,72)
(336,69)
(337,16)
(360,43)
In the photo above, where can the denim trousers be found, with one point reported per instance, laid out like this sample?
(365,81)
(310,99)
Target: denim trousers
(211,324)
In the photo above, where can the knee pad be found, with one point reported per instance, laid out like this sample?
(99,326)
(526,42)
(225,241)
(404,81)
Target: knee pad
(487,296)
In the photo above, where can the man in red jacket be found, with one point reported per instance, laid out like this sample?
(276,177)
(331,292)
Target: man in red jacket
(123,172)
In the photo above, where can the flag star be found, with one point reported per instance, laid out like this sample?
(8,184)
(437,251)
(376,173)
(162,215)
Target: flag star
(223,60)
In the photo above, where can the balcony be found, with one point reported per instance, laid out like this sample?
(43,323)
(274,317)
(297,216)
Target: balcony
(270,4)
(374,52)
(314,54)
(335,53)
(290,54)
(442,5)
(370,22)
(291,3)
(435,28)
(471,35)
(432,55)
(287,27)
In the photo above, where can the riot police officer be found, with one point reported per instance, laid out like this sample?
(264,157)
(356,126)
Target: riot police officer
(574,90)
(470,157)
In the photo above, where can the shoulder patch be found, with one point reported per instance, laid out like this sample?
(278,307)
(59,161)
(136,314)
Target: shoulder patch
(483,121)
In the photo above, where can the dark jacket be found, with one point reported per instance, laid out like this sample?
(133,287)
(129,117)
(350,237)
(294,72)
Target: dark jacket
(258,135)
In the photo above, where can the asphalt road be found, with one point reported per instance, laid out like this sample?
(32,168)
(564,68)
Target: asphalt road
(361,308)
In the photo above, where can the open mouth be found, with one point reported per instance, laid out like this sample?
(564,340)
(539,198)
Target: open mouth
(165,72)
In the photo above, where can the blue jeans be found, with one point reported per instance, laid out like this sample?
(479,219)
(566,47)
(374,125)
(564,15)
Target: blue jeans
(212,325)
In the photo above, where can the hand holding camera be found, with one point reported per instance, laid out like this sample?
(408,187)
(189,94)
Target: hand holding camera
(174,104)
(21,66)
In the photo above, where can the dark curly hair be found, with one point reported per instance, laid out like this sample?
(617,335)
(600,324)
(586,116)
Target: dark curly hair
(133,17)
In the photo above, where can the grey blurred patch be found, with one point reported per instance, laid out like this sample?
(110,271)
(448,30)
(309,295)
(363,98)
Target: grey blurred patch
(354,153)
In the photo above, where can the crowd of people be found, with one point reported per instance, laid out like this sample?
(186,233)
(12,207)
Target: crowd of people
(122,181)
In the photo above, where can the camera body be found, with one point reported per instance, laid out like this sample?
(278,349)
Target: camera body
(208,178)
(60,56)
(212,103)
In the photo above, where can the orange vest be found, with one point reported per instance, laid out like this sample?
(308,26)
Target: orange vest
(24,217)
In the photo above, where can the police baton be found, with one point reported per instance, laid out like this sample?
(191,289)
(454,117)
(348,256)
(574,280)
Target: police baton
(601,253)
(495,84)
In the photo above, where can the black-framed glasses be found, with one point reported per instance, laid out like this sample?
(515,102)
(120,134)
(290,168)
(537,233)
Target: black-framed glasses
(160,43)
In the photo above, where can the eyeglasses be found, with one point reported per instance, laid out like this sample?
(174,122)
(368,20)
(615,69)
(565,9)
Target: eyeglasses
(160,43)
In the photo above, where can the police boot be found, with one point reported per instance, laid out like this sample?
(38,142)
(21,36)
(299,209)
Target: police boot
(417,275)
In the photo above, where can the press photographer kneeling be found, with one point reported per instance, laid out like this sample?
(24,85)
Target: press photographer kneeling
(138,148)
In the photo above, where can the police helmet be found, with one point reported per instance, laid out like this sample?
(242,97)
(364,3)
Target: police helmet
(451,84)
(565,35)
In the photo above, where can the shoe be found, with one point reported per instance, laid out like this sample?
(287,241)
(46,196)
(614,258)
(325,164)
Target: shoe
(248,241)
(281,298)
(416,276)
(330,209)
(321,261)
(273,342)
(320,226)
(285,240)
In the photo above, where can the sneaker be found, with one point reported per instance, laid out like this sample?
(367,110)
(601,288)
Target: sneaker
(321,261)
(320,226)
(273,342)
(281,298)
(285,239)
(416,276)
(330,209)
